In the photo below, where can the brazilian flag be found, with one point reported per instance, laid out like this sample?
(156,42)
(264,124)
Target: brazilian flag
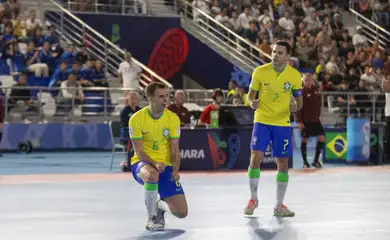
(336,146)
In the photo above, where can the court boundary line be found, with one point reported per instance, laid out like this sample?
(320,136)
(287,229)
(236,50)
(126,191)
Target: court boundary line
(96,177)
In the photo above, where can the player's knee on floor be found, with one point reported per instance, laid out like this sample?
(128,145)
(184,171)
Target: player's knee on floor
(181,214)
(256,158)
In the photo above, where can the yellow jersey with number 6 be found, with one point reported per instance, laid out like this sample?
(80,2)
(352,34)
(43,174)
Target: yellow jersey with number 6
(155,134)
(275,92)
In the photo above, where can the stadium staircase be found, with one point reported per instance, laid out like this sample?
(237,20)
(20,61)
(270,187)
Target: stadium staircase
(74,31)
(371,30)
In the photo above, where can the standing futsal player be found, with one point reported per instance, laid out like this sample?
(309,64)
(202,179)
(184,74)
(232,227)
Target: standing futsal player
(155,133)
(274,83)
(308,119)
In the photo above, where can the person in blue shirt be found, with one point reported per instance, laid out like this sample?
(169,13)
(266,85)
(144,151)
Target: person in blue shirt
(47,57)
(99,76)
(39,38)
(87,74)
(76,69)
(69,55)
(18,59)
(34,63)
(8,36)
(60,75)
(52,37)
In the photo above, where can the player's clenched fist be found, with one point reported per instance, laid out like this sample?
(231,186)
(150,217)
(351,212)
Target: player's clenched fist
(254,104)
(175,176)
(160,166)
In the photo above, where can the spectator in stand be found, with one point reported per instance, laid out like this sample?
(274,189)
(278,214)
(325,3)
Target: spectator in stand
(47,57)
(382,16)
(11,8)
(223,19)
(21,98)
(69,55)
(76,69)
(52,37)
(287,24)
(18,59)
(99,76)
(231,90)
(32,24)
(368,80)
(204,119)
(8,37)
(82,56)
(129,73)
(234,23)
(87,74)
(358,38)
(19,28)
(38,38)
(60,75)
(34,64)
(215,9)
(244,19)
(71,95)
(178,108)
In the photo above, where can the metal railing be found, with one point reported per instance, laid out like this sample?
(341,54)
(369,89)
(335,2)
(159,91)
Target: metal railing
(223,37)
(49,105)
(73,30)
(122,7)
(372,30)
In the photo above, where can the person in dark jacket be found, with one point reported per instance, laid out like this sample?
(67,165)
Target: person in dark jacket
(308,119)
(131,107)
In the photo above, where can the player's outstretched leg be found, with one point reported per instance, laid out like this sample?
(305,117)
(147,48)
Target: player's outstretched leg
(282,177)
(150,178)
(254,176)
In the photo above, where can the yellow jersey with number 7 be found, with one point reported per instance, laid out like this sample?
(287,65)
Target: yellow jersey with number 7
(155,134)
(275,92)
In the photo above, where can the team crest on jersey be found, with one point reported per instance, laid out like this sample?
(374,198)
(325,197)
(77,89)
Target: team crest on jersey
(165,132)
(287,86)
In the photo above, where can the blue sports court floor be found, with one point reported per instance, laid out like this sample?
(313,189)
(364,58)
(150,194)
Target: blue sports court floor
(73,196)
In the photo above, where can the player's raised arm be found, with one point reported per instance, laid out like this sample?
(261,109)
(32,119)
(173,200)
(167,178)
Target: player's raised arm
(135,134)
(174,136)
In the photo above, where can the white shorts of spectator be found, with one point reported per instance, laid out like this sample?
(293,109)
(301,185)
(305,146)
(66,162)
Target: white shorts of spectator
(39,69)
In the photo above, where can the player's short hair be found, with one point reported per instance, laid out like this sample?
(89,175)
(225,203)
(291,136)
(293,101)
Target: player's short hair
(284,44)
(152,87)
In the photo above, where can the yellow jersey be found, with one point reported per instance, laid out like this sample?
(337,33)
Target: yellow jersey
(275,93)
(154,133)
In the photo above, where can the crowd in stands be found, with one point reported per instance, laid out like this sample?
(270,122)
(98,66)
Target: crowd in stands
(341,60)
(32,49)
(375,10)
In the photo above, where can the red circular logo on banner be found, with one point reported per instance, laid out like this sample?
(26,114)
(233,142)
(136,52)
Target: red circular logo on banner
(169,53)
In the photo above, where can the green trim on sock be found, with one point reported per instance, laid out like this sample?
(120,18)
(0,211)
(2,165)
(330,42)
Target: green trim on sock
(282,177)
(254,172)
(150,186)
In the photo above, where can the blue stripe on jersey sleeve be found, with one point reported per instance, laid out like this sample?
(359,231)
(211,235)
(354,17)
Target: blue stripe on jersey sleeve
(297,93)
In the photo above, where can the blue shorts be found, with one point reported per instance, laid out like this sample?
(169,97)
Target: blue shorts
(166,186)
(280,137)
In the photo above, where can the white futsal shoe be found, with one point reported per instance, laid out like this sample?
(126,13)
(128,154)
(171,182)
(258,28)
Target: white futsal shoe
(250,208)
(160,215)
(153,224)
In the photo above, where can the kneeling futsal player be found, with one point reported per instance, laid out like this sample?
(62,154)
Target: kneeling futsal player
(155,133)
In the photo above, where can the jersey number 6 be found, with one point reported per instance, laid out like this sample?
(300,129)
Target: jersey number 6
(155,146)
